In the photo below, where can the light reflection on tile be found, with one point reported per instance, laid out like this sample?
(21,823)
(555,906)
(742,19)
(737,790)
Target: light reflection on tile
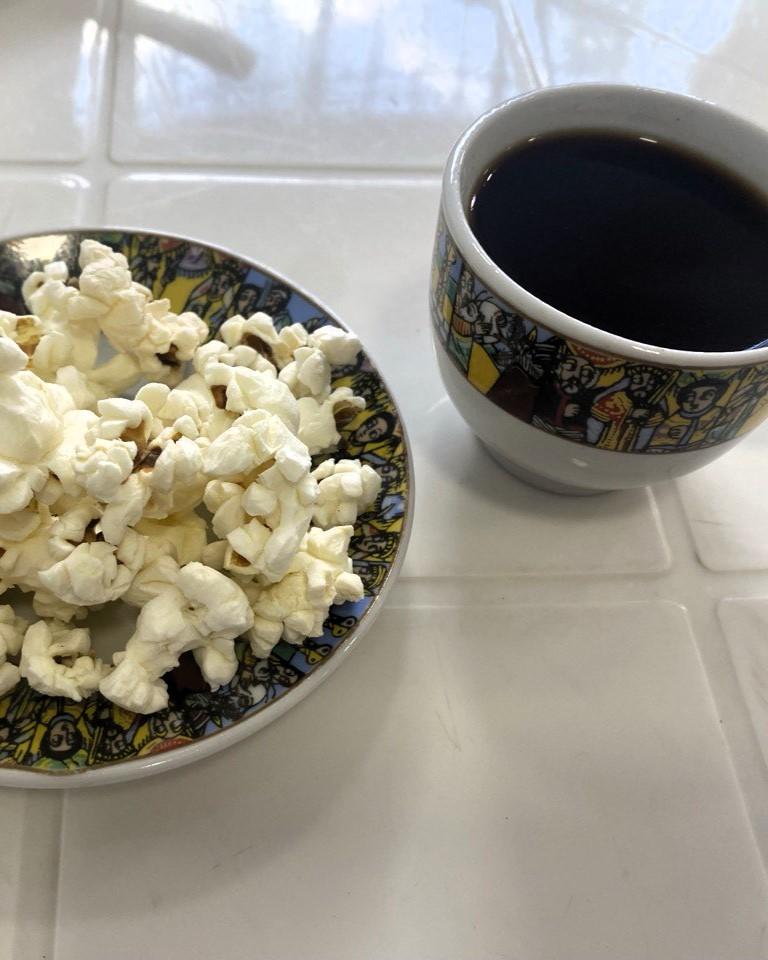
(52,57)
(381,82)
(697,24)
(32,202)
(713,49)
(581,42)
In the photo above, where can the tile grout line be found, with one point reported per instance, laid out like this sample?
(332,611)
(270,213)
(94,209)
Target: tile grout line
(160,168)
(749,772)
(96,167)
(58,871)
(93,210)
(39,878)
(700,595)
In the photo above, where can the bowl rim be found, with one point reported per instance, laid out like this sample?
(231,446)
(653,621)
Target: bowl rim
(137,767)
(557,321)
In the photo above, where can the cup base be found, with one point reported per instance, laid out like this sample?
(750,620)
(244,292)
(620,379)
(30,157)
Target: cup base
(536,479)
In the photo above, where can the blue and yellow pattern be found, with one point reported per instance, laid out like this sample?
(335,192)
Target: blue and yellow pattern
(570,390)
(53,735)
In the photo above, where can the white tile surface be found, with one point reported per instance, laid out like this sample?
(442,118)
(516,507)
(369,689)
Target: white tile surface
(474,783)
(12,806)
(373,82)
(29,203)
(727,510)
(473,519)
(459,488)
(52,58)
(29,836)
(745,622)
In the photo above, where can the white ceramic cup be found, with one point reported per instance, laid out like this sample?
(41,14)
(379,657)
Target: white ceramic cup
(654,413)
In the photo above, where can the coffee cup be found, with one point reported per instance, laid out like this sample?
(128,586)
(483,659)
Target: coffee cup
(640,413)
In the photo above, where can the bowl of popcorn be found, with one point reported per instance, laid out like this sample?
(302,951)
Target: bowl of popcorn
(204,496)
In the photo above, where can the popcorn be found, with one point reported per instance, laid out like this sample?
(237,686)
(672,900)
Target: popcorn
(116,375)
(128,420)
(108,297)
(254,442)
(99,494)
(95,573)
(176,409)
(289,340)
(319,420)
(245,547)
(63,337)
(247,389)
(18,484)
(229,516)
(346,489)
(340,347)
(280,513)
(201,611)
(296,606)
(125,509)
(85,393)
(191,400)
(288,522)
(21,561)
(26,331)
(168,340)
(49,607)
(21,525)
(155,577)
(72,524)
(46,292)
(56,660)
(182,536)
(215,353)
(32,427)
(259,500)
(258,332)
(102,466)
(75,425)
(175,480)
(308,374)
(12,630)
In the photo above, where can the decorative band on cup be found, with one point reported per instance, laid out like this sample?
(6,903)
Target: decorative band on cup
(570,390)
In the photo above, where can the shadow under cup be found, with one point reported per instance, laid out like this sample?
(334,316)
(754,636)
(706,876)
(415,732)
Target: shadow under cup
(561,404)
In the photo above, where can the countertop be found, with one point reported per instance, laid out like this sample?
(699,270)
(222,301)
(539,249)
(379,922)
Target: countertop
(553,742)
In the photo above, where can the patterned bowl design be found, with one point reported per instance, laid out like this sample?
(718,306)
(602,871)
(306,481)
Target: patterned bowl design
(47,735)
(573,391)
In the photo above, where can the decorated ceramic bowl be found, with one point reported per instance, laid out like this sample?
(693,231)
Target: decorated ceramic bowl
(53,742)
(557,402)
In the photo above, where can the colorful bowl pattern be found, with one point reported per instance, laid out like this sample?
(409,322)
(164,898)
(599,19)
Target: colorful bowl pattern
(573,391)
(54,736)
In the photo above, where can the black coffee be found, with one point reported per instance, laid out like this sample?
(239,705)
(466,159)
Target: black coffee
(634,237)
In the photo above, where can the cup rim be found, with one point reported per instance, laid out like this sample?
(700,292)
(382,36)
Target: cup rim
(539,310)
